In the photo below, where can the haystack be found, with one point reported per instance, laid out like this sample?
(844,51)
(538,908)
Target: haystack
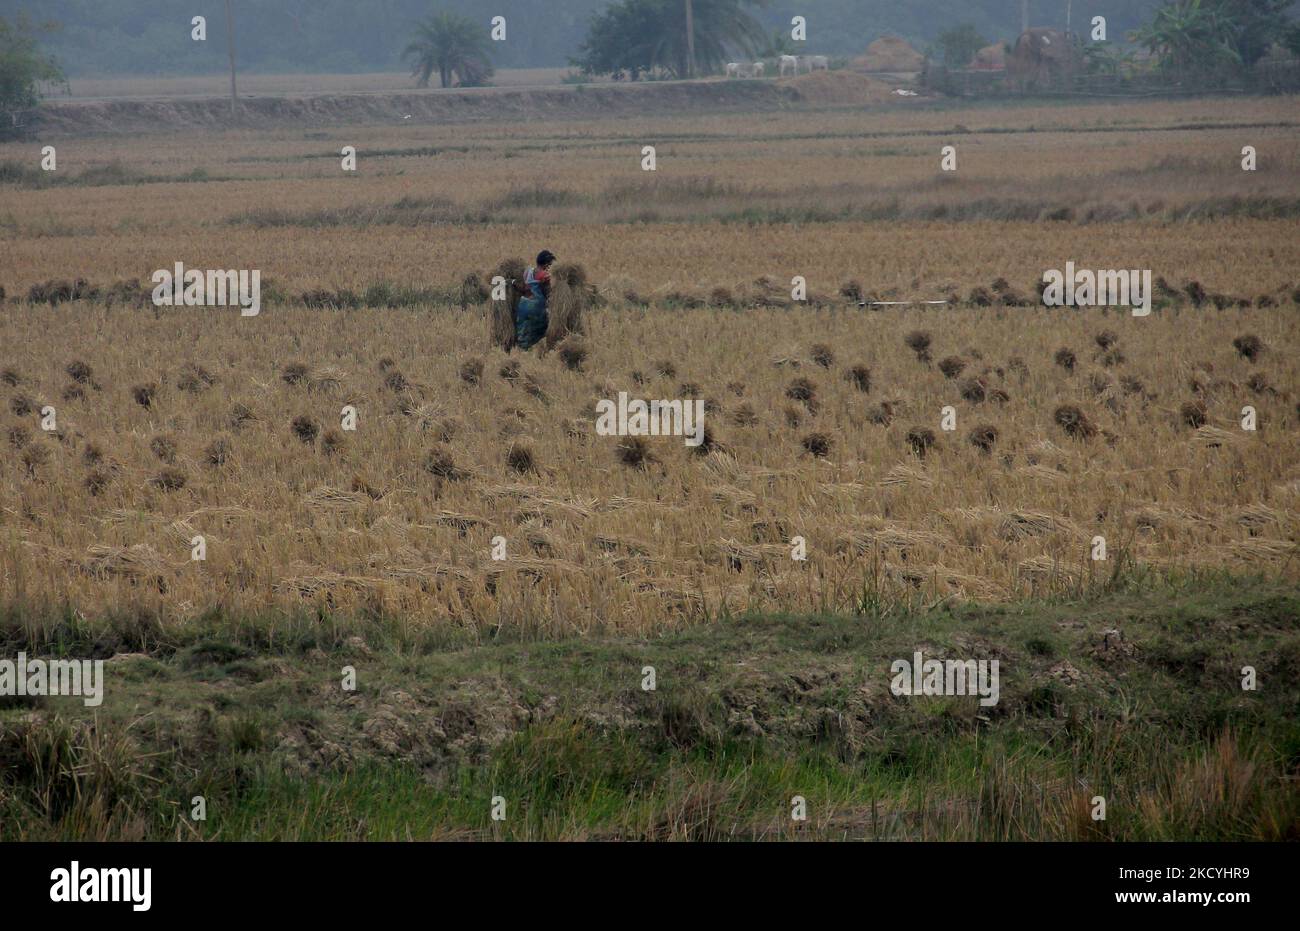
(991,58)
(503,312)
(889,54)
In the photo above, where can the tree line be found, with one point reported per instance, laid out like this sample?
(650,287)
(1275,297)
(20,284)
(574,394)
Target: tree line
(1210,40)
(637,38)
(151,37)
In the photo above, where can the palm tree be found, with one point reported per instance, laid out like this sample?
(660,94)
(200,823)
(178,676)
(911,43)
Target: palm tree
(452,45)
(719,28)
(230,47)
(644,36)
(690,39)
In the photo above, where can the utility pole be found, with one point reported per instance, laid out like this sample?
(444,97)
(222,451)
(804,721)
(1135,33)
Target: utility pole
(690,40)
(230,45)
(1024,15)
(1068,4)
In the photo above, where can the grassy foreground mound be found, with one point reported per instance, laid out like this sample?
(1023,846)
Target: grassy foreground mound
(1134,696)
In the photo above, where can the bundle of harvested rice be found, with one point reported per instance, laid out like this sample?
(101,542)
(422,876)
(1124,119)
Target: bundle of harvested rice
(533,568)
(1288,489)
(1046,569)
(1174,519)
(893,537)
(503,312)
(570,297)
(693,599)
(1255,517)
(612,543)
(1260,549)
(326,379)
(1213,437)
(434,572)
(731,496)
(140,562)
(1020,525)
(965,586)
(324,500)
(905,475)
(534,502)
(181,531)
(473,291)
(1042,473)
(225,514)
(462,522)
(841,489)
(724,467)
(315,581)
(644,505)
(737,554)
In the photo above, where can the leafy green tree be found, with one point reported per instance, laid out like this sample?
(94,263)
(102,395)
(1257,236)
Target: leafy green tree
(23,68)
(101,37)
(642,36)
(1257,24)
(958,45)
(1105,58)
(1213,36)
(1292,39)
(455,47)
(621,40)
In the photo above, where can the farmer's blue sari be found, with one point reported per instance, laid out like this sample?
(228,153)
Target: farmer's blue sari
(531,318)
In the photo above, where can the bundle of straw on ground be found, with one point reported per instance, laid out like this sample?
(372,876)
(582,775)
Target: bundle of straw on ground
(503,312)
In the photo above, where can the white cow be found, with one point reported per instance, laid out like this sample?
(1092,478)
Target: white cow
(818,63)
(759,68)
(789,64)
(733,69)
